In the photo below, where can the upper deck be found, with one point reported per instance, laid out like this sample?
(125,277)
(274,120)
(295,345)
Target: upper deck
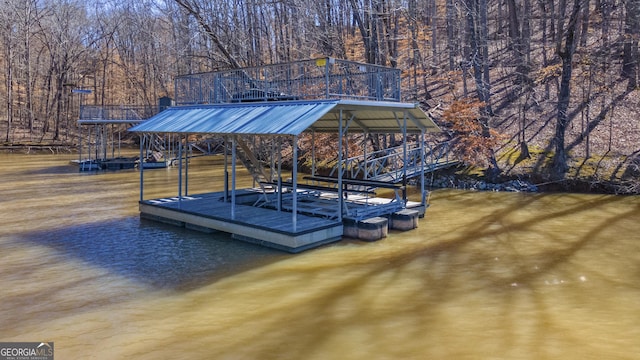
(323,78)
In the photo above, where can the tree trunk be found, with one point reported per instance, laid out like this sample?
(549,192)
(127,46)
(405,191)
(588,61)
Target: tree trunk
(479,50)
(9,86)
(566,52)
(193,11)
(434,35)
(451,38)
(632,32)
(365,32)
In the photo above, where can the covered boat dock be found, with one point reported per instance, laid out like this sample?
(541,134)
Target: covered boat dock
(292,212)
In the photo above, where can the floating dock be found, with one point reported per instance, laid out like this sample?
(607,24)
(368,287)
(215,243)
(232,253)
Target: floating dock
(266,225)
(294,212)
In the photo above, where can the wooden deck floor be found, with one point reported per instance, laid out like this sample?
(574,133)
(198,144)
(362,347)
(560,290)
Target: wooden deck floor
(262,225)
(315,224)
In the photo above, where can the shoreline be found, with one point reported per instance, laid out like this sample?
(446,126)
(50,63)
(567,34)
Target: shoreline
(54,148)
(537,185)
(442,180)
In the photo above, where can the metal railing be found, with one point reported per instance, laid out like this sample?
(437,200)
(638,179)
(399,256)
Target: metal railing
(323,78)
(117,112)
(391,165)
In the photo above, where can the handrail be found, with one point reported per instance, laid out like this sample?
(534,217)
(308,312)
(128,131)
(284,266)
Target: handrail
(390,163)
(323,78)
(117,112)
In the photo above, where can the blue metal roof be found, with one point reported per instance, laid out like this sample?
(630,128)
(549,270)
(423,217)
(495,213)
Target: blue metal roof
(265,118)
(289,118)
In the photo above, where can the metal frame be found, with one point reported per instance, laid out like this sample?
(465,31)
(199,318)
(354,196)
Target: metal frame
(322,78)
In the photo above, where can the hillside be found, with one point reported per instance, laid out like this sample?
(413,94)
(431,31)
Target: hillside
(603,132)
(557,81)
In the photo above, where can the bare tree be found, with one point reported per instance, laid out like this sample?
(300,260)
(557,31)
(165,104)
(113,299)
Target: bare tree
(478,54)
(8,44)
(66,36)
(452,43)
(197,9)
(632,33)
(565,48)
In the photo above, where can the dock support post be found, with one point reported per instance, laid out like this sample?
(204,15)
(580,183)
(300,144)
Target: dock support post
(89,145)
(279,174)
(80,146)
(340,191)
(180,173)
(364,157)
(186,165)
(404,157)
(294,215)
(313,152)
(226,171)
(233,178)
(423,197)
(141,167)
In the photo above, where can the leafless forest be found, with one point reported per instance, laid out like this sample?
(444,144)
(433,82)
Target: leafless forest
(552,85)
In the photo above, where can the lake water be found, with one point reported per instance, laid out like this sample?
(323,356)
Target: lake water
(486,275)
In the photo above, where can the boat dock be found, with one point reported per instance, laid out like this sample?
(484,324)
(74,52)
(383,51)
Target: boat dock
(306,99)
(255,218)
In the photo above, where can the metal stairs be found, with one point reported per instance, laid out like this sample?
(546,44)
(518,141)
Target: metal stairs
(249,160)
(392,165)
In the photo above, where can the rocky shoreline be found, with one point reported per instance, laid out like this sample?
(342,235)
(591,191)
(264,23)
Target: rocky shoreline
(462,182)
(453,182)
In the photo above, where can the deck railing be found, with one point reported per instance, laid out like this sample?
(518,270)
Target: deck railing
(117,112)
(323,78)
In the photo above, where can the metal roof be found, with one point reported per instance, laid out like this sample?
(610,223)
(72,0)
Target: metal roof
(289,118)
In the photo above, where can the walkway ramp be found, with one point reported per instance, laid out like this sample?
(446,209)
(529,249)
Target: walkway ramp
(396,177)
(391,165)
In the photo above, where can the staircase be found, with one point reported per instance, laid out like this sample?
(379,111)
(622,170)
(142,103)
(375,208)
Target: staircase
(249,160)
(392,165)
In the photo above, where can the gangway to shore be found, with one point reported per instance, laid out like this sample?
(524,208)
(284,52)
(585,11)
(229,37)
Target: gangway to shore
(397,164)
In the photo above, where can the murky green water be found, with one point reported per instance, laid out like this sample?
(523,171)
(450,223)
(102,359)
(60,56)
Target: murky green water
(486,275)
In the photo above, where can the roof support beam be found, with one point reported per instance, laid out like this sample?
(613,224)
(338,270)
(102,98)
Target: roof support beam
(355,120)
(416,122)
